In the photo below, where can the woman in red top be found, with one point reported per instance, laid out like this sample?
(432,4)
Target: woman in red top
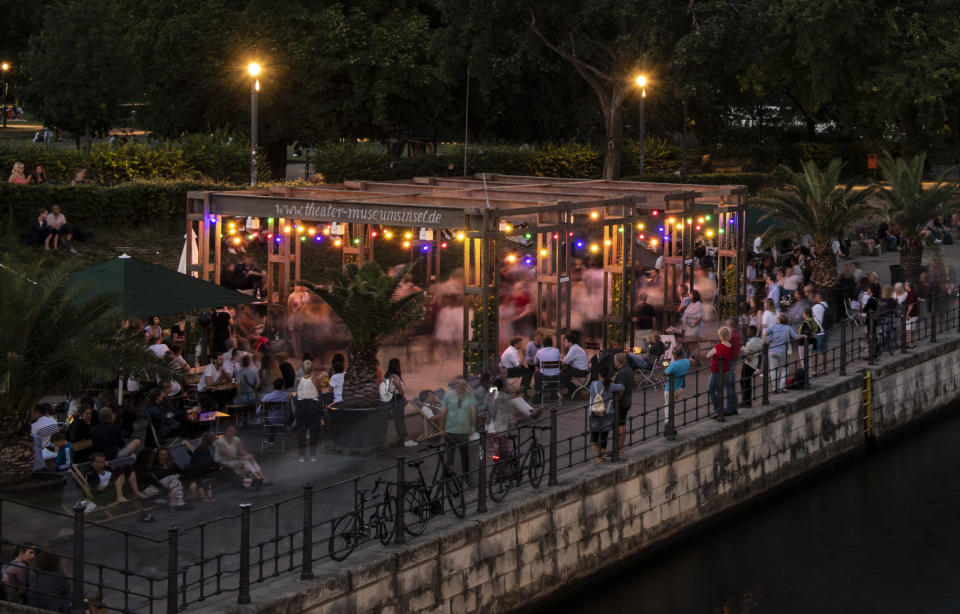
(722,351)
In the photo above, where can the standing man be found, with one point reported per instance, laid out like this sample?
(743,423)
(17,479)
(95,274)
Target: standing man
(514,367)
(778,338)
(773,291)
(575,363)
(460,411)
(678,369)
(16,573)
(751,352)
(624,377)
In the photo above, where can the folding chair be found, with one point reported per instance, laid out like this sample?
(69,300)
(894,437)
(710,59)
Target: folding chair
(854,317)
(111,511)
(651,377)
(583,382)
(274,435)
(550,382)
(431,427)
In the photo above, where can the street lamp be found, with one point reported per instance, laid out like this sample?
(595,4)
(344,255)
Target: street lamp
(254,69)
(4,68)
(642,84)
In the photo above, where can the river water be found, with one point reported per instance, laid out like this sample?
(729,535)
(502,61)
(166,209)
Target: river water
(878,534)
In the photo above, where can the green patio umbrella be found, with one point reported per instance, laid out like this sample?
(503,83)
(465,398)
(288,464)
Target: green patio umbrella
(145,289)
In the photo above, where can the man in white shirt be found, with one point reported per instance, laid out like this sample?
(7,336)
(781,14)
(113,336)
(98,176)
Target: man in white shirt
(758,245)
(819,310)
(44,425)
(575,363)
(546,354)
(510,362)
(158,347)
(213,376)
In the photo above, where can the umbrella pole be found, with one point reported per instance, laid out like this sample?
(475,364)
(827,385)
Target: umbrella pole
(120,391)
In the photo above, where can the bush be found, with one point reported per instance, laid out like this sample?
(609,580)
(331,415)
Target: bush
(133,203)
(194,157)
(853,154)
(754,181)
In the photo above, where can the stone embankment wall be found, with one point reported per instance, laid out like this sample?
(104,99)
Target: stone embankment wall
(605,514)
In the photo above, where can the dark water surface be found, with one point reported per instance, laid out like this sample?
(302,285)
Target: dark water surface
(878,534)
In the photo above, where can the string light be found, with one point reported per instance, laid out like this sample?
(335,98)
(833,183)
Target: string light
(706,217)
(303,238)
(527,236)
(507,228)
(425,248)
(594,215)
(287,229)
(373,234)
(356,241)
(460,236)
(654,213)
(387,234)
(511,258)
(671,221)
(640,226)
(594,248)
(237,241)
(301,230)
(544,253)
(312,231)
(579,244)
(443,245)
(528,260)
(406,243)
(277,239)
(699,220)
(326,230)
(653,242)
(318,238)
(270,220)
(709,233)
(608,242)
(408,235)
(337,242)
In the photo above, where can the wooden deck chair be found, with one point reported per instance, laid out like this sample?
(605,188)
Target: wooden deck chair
(113,511)
(431,427)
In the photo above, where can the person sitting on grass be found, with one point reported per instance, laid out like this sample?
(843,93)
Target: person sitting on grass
(60,230)
(230,452)
(39,229)
(106,486)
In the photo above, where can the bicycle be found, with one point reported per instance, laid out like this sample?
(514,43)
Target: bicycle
(509,469)
(350,530)
(423,501)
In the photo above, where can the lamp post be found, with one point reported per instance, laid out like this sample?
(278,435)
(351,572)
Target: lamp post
(254,69)
(4,68)
(642,84)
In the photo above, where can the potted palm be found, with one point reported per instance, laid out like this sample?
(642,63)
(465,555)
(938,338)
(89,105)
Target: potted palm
(365,299)
(815,203)
(910,205)
(51,342)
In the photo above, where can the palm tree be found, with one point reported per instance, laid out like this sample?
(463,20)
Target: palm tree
(365,299)
(910,205)
(50,342)
(814,203)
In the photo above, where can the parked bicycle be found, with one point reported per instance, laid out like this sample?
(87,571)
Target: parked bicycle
(509,468)
(444,491)
(350,530)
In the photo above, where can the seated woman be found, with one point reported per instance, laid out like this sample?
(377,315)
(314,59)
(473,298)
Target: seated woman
(655,349)
(152,485)
(163,467)
(203,463)
(230,452)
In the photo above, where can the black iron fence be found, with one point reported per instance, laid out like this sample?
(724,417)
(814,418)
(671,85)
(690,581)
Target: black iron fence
(230,554)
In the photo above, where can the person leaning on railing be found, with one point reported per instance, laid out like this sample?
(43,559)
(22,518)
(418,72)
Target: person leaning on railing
(778,337)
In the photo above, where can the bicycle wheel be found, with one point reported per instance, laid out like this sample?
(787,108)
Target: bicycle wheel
(417,507)
(383,521)
(454,488)
(500,479)
(537,464)
(344,536)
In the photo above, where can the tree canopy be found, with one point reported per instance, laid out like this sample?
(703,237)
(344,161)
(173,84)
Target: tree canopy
(883,73)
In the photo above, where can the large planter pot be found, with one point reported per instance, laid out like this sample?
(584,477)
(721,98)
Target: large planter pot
(44,489)
(356,430)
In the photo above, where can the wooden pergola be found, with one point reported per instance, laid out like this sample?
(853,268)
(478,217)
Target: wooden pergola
(483,211)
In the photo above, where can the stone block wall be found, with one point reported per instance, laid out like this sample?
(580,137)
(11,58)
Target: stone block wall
(543,540)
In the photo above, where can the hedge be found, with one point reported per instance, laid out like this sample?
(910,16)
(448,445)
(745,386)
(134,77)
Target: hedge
(193,157)
(341,162)
(128,204)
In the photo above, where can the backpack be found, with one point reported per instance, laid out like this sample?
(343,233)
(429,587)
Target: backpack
(598,406)
(827,316)
(386,395)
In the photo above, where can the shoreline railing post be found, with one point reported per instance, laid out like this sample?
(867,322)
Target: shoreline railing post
(243,594)
(400,519)
(871,339)
(933,319)
(766,373)
(482,475)
(806,362)
(552,480)
(843,348)
(670,430)
(306,566)
(172,572)
(78,558)
(720,377)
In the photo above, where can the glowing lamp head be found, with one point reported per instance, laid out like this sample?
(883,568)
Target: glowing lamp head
(253,68)
(5,67)
(641,81)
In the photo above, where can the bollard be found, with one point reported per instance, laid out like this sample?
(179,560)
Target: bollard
(400,518)
(306,566)
(903,334)
(482,476)
(843,348)
(933,319)
(871,339)
(172,572)
(243,595)
(670,431)
(806,362)
(766,373)
(552,480)
(720,373)
(78,557)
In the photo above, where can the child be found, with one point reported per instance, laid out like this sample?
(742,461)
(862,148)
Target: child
(64,457)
